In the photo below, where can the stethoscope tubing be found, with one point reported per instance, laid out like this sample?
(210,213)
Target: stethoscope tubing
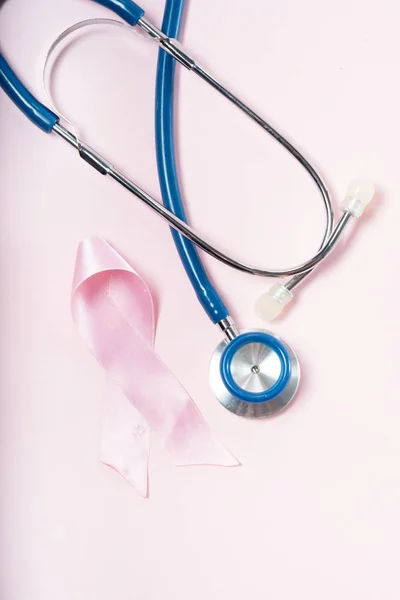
(49,122)
(206,292)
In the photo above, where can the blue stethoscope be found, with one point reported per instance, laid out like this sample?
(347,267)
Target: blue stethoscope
(253,373)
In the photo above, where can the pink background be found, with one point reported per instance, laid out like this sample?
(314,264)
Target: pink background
(313,512)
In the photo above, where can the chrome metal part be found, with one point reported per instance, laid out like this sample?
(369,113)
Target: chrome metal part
(66,135)
(171,46)
(228,327)
(255,368)
(151,30)
(94,159)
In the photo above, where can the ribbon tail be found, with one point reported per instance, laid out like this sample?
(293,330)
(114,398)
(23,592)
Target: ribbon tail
(191,442)
(125,440)
(162,400)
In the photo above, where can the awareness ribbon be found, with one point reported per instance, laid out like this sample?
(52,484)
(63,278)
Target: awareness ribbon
(113,310)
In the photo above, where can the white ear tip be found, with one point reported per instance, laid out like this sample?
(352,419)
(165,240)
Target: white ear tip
(361,188)
(271,304)
(359,194)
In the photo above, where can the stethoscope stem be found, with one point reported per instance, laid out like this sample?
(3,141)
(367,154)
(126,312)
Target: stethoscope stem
(228,328)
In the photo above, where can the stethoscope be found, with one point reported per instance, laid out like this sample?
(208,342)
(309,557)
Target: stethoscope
(253,373)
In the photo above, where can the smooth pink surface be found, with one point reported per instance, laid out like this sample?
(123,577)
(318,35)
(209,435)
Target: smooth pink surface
(313,512)
(114,313)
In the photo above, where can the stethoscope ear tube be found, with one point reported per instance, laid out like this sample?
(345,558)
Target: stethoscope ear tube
(39,114)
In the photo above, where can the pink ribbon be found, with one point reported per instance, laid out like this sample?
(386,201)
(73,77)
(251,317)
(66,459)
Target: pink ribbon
(114,313)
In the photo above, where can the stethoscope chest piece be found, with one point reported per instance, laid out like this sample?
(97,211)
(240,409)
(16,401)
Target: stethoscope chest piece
(255,375)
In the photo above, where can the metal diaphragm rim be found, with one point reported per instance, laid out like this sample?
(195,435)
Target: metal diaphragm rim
(251,377)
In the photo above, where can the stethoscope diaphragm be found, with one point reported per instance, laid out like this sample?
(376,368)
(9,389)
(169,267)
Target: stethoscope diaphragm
(255,375)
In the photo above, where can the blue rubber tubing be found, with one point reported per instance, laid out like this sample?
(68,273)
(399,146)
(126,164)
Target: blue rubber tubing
(39,114)
(167,168)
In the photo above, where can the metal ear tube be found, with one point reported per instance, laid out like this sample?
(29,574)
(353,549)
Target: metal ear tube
(270,305)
